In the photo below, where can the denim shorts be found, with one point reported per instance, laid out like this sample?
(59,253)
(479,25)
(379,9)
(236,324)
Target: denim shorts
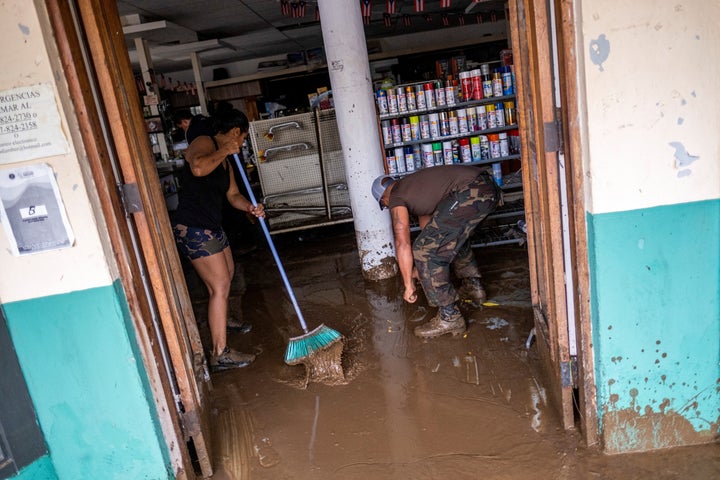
(199,242)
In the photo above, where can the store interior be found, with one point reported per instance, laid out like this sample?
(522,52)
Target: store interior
(447,408)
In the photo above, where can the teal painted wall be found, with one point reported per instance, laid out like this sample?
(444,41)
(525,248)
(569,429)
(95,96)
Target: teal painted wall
(40,469)
(88,385)
(655,283)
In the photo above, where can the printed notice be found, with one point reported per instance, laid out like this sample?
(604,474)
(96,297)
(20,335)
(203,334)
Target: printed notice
(32,211)
(30,124)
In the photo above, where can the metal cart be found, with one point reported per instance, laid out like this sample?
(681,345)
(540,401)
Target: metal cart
(301,171)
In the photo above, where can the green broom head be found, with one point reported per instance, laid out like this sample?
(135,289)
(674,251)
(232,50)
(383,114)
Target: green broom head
(300,348)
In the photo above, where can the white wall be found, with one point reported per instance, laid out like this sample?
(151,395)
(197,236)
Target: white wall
(59,271)
(652,75)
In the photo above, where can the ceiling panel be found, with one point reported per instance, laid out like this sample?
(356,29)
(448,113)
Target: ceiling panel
(258,28)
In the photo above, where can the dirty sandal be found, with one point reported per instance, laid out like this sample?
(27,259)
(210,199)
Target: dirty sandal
(234,325)
(230,358)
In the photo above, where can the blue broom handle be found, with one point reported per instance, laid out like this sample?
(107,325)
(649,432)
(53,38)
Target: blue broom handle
(272,245)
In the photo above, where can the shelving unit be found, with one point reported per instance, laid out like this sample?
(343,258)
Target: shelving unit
(503,226)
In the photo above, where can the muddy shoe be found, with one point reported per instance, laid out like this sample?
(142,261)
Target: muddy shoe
(442,323)
(472,292)
(239,326)
(230,358)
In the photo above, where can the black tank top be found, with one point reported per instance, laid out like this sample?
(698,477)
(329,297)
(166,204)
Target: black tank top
(201,199)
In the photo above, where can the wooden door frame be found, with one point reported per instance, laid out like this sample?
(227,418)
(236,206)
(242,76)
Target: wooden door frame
(130,148)
(530,33)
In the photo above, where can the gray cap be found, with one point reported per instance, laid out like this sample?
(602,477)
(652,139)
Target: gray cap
(379,186)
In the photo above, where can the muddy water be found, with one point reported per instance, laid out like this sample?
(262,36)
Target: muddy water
(448,408)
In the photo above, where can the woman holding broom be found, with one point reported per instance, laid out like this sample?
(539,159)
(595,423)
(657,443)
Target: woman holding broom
(207,181)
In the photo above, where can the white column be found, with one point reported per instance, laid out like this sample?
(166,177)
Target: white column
(349,69)
(197,74)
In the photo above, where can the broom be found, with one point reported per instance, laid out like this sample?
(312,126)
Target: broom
(322,337)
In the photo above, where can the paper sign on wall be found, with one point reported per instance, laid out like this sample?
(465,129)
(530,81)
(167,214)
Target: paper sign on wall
(32,211)
(30,124)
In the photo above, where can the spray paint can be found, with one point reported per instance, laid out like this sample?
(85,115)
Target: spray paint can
(410,98)
(475,149)
(386,131)
(447,149)
(405,129)
(484,148)
(434,120)
(429,95)
(497,173)
(494,140)
(497,84)
(409,159)
(462,121)
(453,124)
(481,117)
(401,99)
(504,144)
(415,127)
(491,118)
(477,84)
(396,130)
(400,159)
(437,150)
(465,153)
(392,100)
(444,124)
(466,86)
(390,162)
(420,97)
(439,93)
(427,155)
(487,87)
(382,102)
(424,127)
(499,114)
(472,120)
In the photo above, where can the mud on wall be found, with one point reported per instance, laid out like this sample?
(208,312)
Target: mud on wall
(652,197)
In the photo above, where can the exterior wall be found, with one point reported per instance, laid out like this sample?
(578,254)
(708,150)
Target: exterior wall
(66,313)
(649,70)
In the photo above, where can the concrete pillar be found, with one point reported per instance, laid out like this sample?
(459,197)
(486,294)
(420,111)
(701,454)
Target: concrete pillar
(347,59)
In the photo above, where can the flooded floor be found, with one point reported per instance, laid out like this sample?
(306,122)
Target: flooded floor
(468,407)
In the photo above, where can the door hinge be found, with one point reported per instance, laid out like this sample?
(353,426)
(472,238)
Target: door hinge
(130,198)
(554,134)
(568,373)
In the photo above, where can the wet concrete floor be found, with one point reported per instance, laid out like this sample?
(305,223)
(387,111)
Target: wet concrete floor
(469,407)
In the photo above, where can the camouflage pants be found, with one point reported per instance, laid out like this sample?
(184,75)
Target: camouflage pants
(444,242)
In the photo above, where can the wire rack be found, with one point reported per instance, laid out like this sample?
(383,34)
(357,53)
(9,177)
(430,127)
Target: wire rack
(301,171)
